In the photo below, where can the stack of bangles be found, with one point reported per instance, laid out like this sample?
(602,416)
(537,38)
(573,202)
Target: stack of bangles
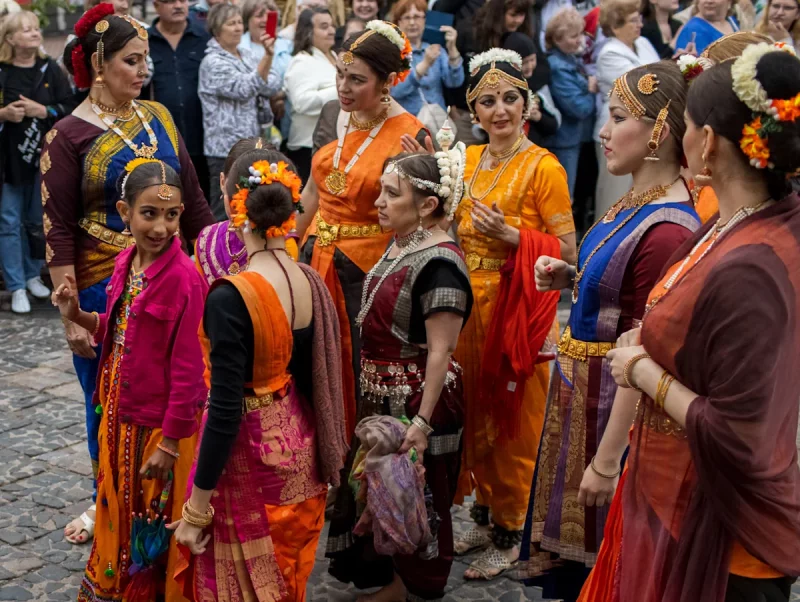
(628,369)
(168,451)
(661,391)
(422,425)
(195,518)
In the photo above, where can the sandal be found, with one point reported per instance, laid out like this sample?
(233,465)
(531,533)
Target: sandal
(473,539)
(88,527)
(487,563)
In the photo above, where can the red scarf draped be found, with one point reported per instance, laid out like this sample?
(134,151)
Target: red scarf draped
(520,323)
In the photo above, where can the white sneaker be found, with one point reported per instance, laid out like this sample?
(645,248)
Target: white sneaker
(37,288)
(19,302)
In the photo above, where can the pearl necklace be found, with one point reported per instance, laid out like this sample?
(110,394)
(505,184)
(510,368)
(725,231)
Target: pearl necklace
(714,234)
(414,240)
(147,152)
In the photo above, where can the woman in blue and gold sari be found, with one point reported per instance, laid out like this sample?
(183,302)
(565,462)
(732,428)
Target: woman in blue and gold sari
(81,164)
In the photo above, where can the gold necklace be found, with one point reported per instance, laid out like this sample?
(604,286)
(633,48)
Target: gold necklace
(651,194)
(235,266)
(365,126)
(336,180)
(510,151)
(141,150)
(124,112)
(478,198)
(632,201)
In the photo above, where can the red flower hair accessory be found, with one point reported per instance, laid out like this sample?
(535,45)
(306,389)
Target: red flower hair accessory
(80,72)
(91,17)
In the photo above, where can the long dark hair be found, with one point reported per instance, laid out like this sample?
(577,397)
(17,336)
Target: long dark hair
(490,22)
(304,30)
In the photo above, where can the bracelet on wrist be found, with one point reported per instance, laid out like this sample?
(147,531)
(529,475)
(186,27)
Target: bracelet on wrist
(628,369)
(603,474)
(195,518)
(664,383)
(168,451)
(422,425)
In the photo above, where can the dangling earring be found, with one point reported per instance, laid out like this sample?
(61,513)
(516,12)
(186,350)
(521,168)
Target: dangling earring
(99,82)
(655,137)
(473,118)
(420,228)
(126,231)
(704,177)
(386,99)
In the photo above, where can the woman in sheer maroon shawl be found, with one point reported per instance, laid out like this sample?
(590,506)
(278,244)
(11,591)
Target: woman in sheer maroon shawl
(711,505)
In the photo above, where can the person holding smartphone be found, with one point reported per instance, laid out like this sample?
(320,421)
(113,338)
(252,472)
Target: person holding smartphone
(432,67)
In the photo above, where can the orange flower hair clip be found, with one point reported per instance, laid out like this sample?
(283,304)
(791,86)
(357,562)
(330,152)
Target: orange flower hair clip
(261,173)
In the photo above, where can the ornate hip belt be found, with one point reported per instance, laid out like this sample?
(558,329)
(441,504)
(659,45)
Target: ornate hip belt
(106,235)
(256,402)
(581,350)
(327,233)
(476,262)
(397,382)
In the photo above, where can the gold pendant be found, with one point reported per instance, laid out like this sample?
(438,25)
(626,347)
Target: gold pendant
(575,293)
(336,182)
(234,269)
(347,58)
(146,152)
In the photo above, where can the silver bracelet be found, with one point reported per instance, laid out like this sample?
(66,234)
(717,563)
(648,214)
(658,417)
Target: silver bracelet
(422,425)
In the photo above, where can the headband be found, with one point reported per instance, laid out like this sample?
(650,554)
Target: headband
(262,173)
(164,189)
(391,33)
(493,76)
(451,163)
(768,114)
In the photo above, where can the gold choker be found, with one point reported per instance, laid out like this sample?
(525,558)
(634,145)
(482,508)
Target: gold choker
(123,112)
(366,126)
(510,151)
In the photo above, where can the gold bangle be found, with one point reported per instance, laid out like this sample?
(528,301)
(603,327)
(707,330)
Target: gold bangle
(602,474)
(195,518)
(664,384)
(96,323)
(626,371)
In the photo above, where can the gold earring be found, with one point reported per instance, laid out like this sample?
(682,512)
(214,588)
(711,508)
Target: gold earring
(705,176)
(655,137)
(386,99)
(99,82)
(126,231)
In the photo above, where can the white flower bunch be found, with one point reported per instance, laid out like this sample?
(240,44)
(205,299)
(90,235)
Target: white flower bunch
(388,32)
(495,55)
(745,83)
(451,177)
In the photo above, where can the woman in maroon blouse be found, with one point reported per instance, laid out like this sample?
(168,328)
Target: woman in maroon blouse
(82,160)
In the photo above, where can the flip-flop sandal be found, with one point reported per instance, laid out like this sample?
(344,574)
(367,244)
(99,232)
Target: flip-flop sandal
(474,539)
(489,560)
(88,527)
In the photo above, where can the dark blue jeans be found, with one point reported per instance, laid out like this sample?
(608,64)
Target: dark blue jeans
(20,208)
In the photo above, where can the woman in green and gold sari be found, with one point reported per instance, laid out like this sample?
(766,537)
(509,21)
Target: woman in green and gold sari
(81,164)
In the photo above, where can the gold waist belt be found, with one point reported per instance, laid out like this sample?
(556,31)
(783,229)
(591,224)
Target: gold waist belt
(250,404)
(581,350)
(106,235)
(476,262)
(327,233)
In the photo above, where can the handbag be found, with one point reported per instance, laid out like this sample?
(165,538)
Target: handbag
(433,116)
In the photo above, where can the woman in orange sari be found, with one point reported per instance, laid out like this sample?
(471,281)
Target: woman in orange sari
(712,497)
(273,430)
(340,223)
(516,208)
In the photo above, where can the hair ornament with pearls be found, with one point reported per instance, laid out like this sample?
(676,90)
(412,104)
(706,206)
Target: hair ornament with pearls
(262,173)
(768,114)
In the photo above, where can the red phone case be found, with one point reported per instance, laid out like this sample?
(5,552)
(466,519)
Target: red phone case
(272,23)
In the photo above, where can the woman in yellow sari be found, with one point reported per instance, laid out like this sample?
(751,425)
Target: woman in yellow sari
(516,207)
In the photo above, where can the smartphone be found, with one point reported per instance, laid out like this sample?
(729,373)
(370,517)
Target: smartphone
(433,21)
(272,23)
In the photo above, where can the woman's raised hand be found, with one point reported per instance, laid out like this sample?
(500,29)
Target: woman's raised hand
(268,42)
(410,145)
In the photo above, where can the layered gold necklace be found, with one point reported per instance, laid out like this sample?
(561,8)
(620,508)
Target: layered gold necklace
(629,201)
(124,112)
(503,156)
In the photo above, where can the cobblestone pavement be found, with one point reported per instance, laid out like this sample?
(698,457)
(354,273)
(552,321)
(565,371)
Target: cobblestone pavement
(45,476)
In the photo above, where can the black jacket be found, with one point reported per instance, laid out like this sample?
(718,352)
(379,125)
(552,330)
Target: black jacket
(52,89)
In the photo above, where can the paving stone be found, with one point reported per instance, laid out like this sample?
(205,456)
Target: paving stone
(15,592)
(37,379)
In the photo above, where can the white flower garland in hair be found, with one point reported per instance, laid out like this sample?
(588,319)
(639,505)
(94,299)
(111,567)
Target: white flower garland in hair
(745,82)
(451,164)
(495,55)
(388,32)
